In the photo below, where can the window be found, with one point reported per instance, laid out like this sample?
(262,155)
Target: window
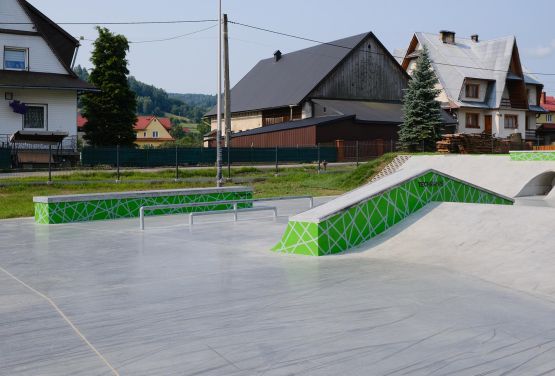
(511,121)
(144,134)
(15,58)
(155,134)
(473,120)
(35,117)
(472,90)
(549,118)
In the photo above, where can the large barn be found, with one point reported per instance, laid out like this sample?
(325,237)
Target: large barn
(349,89)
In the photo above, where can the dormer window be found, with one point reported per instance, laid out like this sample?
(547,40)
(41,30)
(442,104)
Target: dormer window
(15,58)
(472,91)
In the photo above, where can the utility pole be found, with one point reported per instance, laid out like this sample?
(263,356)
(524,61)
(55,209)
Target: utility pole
(227,88)
(219,102)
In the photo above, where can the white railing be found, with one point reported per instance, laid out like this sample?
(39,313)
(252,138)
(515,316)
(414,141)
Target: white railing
(235,203)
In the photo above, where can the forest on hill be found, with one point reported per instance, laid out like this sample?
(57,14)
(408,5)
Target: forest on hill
(156,101)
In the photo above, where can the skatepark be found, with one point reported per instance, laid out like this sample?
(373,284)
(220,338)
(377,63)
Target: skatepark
(460,281)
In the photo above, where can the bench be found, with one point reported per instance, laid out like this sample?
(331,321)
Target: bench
(114,205)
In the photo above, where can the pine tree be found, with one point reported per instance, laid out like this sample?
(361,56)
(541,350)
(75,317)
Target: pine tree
(422,123)
(110,113)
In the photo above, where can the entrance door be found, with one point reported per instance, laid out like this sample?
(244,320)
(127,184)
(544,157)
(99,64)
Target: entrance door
(487,124)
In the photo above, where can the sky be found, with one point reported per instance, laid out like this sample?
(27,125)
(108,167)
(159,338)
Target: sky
(189,64)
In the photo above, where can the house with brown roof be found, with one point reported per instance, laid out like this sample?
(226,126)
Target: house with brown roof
(151,130)
(37,84)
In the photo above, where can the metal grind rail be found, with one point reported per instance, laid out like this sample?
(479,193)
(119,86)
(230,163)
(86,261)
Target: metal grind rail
(235,203)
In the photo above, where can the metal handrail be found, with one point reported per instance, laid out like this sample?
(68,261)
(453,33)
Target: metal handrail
(142,209)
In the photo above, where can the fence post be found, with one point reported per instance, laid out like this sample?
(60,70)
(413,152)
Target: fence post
(49,164)
(277,167)
(391,145)
(117,164)
(356,145)
(176,165)
(229,160)
(318,146)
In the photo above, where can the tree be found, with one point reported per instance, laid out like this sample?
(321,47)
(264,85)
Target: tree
(110,113)
(422,123)
(81,72)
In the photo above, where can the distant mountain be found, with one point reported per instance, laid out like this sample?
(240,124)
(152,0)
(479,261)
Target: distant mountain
(155,101)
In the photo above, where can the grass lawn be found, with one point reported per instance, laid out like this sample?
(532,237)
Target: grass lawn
(17,200)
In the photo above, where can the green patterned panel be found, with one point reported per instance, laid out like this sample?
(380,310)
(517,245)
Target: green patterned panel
(532,155)
(353,226)
(79,211)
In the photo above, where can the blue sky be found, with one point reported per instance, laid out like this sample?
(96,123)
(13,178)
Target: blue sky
(189,64)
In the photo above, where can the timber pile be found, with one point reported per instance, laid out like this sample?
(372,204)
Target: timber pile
(472,143)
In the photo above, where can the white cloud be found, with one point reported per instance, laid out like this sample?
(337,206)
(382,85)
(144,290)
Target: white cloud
(542,51)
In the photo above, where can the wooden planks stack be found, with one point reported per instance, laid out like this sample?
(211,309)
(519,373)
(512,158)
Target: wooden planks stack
(472,143)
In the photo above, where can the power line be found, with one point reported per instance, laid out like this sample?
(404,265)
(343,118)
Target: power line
(165,39)
(117,22)
(372,52)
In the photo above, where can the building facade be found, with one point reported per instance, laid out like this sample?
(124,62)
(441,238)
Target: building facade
(152,131)
(357,75)
(482,83)
(38,87)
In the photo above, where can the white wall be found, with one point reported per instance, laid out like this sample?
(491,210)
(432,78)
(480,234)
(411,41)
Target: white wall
(10,11)
(240,121)
(499,123)
(61,113)
(41,57)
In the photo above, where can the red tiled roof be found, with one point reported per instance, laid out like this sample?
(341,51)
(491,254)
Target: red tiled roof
(549,103)
(80,121)
(142,122)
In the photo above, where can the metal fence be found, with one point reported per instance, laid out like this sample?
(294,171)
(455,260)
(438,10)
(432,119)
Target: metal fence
(130,157)
(5,158)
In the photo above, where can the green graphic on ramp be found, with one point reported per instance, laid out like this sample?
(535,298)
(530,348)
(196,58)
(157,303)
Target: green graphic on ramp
(349,227)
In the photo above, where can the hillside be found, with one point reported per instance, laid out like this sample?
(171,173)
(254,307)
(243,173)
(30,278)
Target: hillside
(151,100)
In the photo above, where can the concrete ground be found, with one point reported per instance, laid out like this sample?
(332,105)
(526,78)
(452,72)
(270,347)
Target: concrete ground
(455,289)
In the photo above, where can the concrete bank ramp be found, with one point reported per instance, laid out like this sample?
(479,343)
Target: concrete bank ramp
(497,173)
(509,246)
(359,215)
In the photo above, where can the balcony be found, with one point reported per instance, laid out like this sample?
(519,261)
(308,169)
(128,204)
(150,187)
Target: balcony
(508,103)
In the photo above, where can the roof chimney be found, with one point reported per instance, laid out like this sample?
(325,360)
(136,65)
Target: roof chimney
(474,38)
(542,97)
(277,55)
(447,36)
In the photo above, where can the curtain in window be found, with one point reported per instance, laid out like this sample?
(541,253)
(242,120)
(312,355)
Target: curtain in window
(34,118)
(14,59)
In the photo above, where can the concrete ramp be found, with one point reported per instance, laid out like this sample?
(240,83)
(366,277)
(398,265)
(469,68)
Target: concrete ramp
(357,216)
(497,173)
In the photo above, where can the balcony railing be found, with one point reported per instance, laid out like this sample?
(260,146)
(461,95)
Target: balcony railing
(508,103)
(69,144)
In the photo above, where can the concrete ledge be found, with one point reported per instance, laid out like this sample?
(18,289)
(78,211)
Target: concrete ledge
(359,215)
(114,205)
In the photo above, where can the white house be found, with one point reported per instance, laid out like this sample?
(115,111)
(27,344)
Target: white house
(483,83)
(38,89)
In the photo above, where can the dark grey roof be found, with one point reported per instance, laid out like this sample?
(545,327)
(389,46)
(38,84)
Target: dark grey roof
(60,41)
(293,124)
(37,80)
(540,109)
(272,84)
(374,112)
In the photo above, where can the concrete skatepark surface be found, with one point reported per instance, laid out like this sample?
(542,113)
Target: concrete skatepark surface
(455,289)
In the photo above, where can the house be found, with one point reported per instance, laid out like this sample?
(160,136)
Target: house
(38,87)
(546,125)
(150,130)
(348,89)
(483,83)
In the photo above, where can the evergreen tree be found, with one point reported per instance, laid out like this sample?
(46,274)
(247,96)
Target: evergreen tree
(422,123)
(110,113)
